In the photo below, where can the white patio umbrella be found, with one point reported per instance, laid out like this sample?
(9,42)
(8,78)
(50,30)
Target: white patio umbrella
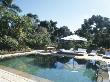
(74,37)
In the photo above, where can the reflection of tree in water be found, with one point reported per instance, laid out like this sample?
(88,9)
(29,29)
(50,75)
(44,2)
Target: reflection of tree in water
(80,61)
(63,59)
(49,61)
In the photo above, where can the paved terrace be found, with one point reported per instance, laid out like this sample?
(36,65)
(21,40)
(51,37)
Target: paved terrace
(11,75)
(18,54)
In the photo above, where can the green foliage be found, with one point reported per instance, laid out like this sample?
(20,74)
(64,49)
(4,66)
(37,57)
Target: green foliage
(51,28)
(64,31)
(8,43)
(48,25)
(7,4)
(19,32)
(67,45)
(38,40)
(97,31)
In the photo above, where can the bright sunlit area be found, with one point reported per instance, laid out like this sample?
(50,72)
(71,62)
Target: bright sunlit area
(54,41)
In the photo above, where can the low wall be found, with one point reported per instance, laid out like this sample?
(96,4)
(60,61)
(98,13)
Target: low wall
(17,54)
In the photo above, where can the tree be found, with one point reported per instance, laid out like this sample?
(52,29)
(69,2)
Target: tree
(64,31)
(22,31)
(7,4)
(9,17)
(50,26)
(97,31)
(35,21)
(12,25)
(38,40)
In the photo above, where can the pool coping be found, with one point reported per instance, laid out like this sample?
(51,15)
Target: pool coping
(24,74)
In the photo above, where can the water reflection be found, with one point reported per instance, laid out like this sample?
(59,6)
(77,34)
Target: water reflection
(70,64)
(50,61)
(56,62)
(72,61)
(59,65)
(68,67)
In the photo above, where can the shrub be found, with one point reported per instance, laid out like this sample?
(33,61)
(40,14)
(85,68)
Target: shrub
(38,41)
(8,43)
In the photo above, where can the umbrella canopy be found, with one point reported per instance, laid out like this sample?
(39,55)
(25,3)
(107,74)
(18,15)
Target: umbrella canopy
(74,37)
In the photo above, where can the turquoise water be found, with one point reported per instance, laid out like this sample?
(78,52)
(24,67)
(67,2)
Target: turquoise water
(57,69)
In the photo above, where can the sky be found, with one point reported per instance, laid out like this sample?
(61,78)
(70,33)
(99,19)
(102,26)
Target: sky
(69,13)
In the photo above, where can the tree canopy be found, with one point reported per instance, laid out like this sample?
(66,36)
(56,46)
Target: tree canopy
(26,31)
(97,31)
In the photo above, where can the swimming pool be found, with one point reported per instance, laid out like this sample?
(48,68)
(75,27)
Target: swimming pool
(57,69)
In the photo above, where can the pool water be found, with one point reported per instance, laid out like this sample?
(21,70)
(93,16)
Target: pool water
(57,69)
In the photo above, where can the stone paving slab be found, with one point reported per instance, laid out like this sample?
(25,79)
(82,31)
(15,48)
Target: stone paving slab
(109,75)
(12,75)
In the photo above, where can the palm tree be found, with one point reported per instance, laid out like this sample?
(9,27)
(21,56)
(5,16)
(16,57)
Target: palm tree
(8,4)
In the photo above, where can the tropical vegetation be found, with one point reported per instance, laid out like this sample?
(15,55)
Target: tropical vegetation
(20,32)
(97,31)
